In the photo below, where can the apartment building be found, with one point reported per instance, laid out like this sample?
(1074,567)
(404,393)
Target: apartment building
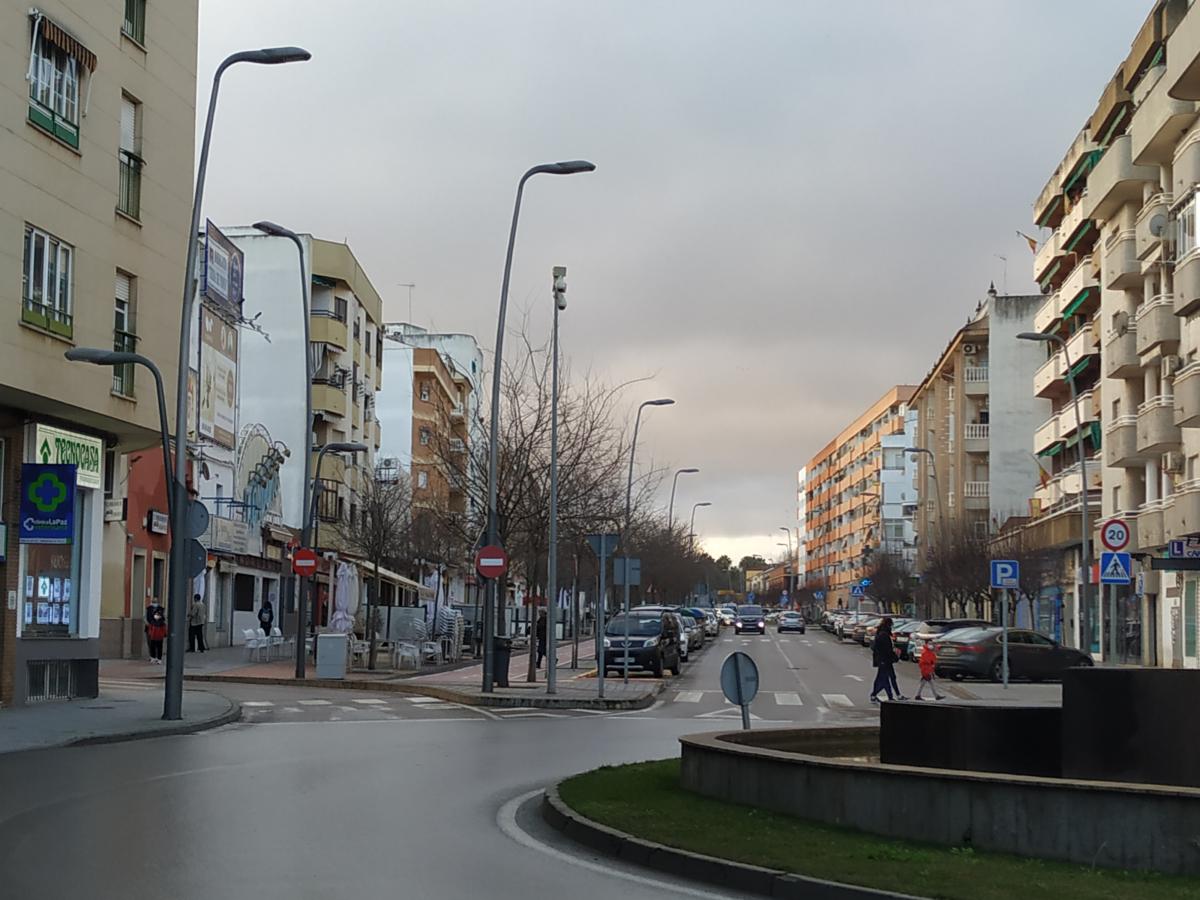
(1120,259)
(898,494)
(800,560)
(97,118)
(843,489)
(975,422)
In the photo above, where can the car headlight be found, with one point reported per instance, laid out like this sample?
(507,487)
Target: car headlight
(760,623)
(650,642)
(606,644)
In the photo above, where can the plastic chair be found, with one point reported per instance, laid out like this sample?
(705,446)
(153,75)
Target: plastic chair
(279,643)
(255,643)
(404,651)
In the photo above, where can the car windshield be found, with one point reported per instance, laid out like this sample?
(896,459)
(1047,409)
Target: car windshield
(965,635)
(750,612)
(639,626)
(689,621)
(909,627)
(790,615)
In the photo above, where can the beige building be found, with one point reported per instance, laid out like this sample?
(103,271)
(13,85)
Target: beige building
(96,159)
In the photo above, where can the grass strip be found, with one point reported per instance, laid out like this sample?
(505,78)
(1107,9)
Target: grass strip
(646,800)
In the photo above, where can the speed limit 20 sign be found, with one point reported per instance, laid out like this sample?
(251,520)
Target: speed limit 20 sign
(1114,535)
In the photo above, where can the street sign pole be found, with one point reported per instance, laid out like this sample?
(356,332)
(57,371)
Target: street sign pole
(1112,624)
(600,621)
(1007,595)
(737,673)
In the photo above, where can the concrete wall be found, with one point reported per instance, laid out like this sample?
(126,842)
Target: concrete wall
(1110,825)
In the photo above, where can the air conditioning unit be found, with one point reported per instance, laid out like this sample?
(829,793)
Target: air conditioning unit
(1173,463)
(969,349)
(1170,365)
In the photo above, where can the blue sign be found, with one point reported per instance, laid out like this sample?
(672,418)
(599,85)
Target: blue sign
(866,582)
(857,590)
(47,504)
(1115,568)
(818,595)
(1006,573)
(750,597)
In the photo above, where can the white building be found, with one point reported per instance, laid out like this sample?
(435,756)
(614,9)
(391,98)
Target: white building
(898,493)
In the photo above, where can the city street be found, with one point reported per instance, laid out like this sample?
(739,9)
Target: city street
(315,792)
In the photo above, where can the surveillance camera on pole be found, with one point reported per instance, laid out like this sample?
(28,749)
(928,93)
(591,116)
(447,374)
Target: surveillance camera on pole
(560,286)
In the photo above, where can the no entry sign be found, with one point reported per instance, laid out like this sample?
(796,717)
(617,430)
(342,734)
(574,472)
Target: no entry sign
(491,561)
(304,561)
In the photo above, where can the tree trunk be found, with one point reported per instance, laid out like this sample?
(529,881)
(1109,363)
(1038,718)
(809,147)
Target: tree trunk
(370,619)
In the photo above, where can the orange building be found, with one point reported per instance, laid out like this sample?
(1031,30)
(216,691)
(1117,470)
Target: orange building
(842,516)
(439,428)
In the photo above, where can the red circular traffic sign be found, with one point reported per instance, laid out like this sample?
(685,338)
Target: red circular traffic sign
(304,561)
(1114,534)
(491,561)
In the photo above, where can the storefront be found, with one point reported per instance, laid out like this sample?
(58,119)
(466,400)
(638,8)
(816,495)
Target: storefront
(52,482)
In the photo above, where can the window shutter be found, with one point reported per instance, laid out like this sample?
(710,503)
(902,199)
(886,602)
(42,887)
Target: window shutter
(123,287)
(128,124)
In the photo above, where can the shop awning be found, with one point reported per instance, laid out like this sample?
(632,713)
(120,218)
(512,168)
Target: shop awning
(56,35)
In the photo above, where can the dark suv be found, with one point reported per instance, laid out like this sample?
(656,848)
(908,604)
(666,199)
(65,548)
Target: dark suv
(653,643)
(748,619)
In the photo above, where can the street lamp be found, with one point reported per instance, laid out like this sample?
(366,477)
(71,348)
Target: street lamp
(637,423)
(1085,587)
(310,528)
(674,483)
(569,167)
(559,290)
(306,501)
(176,601)
(791,557)
(692,526)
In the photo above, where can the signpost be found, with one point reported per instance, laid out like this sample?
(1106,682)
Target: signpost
(1006,576)
(603,545)
(739,682)
(1114,535)
(491,561)
(1115,568)
(304,561)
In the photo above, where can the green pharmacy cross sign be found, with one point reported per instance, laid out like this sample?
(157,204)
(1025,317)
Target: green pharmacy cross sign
(47,503)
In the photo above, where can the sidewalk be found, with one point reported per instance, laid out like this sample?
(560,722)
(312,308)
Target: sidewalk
(118,714)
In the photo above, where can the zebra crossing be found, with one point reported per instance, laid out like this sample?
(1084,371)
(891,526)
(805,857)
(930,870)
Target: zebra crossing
(780,698)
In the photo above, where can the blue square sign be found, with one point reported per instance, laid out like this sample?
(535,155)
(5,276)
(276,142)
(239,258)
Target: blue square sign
(1006,573)
(1115,568)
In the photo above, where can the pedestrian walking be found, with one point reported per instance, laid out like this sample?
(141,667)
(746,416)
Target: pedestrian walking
(266,617)
(883,657)
(197,617)
(156,630)
(928,662)
(540,632)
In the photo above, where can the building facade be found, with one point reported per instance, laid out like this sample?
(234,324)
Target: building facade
(843,521)
(96,165)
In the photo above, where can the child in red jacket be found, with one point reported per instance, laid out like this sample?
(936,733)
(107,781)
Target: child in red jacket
(928,663)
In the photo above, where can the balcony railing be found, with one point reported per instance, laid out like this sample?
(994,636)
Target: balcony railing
(975,374)
(124,342)
(129,186)
(975,489)
(976,431)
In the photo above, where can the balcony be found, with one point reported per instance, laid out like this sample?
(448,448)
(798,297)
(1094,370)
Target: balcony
(1182,78)
(1087,414)
(1182,516)
(1185,173)
(975,437)
(1120,354)
(326,328)
(975,495)
(1157,325)
(1083,343)
(1121,268)
(1147,242)
(1120,443)
(1187,284)
(1160,118)
(975,380)
(1047,313)
(378,437)
(1187,395)
(457,413)
(1048,379)
(1075,288)
(1047,255)
(1116,180)
(328,398)
(1071,480)
(333,467)
(1074,222)
(1156,429)
(1046,435)
(1150,529)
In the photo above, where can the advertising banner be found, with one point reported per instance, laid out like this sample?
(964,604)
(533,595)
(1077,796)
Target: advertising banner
(218,379)
(47,504)
(86,453)
(224,264)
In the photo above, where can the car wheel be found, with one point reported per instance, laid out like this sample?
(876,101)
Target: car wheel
(958,676)
(996,672)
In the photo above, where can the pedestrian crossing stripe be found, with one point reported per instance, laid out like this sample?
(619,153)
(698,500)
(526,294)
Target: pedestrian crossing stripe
(837,700)
(689,696)
(257,703)
(786,698)
(367,700)
(314,702)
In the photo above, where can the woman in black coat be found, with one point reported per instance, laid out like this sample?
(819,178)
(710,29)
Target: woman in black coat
(883,657)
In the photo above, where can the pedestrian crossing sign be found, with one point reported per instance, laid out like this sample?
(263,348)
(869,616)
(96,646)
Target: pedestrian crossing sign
(1115,568)
(857,590)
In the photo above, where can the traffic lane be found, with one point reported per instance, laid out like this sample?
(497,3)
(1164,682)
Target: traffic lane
(308,811)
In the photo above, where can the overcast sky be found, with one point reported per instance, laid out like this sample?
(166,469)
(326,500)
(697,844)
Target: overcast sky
(794,207)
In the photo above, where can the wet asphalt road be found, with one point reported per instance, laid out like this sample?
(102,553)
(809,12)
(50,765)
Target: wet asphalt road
(349,798)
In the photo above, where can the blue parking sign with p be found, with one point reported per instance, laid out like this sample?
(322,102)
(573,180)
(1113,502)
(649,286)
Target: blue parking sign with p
(1006,573)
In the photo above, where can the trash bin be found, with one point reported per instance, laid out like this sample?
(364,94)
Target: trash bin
(331,655)
(501,655)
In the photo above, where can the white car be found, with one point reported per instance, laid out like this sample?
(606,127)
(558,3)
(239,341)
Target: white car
(727,614)
(712,625)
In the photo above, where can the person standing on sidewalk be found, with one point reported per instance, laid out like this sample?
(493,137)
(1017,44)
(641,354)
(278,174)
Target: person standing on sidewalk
(540,632)
(928,663)
(883,657)
(266,616)
(156,630)
(197,617)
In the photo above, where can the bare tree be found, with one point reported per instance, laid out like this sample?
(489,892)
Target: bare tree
(1037,566)
(956,572)
(891,581)
(377,531)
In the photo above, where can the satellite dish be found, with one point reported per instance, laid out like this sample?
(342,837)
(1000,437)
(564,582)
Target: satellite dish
(1158,224)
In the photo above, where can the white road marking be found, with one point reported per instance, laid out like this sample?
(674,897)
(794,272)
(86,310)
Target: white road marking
(535,715)
(689,696)
(347,708)
(855,677)
(372,700)
(728,712)
(292,709)
(506,819)
(131,684)
(837,700)
(257,703)
(788,698)
(423,700)
(766,639)
(314,702)
(726,640)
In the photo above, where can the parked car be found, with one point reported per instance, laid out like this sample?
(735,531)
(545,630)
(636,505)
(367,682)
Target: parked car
(979,652)
(901,634)
(712,625)
(935,627)
(700,614)
(858,633)
(873,629)
(847,621)
(750,619)
(654,643)
(790,621)
(695,631)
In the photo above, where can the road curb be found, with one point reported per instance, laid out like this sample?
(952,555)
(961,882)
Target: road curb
(232,714)
(685,864)
(535,701)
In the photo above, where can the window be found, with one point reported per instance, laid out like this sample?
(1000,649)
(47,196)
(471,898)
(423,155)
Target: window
(1116,499)
(339,308)
(124,333)
(426,436)
(379,346)
(422,479)
(46,282)
(129,184)
(134,24)
(1116,408)
(425,391)
(357,328)
(110,472)
(54,86)
(369,341)
(1187,228)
